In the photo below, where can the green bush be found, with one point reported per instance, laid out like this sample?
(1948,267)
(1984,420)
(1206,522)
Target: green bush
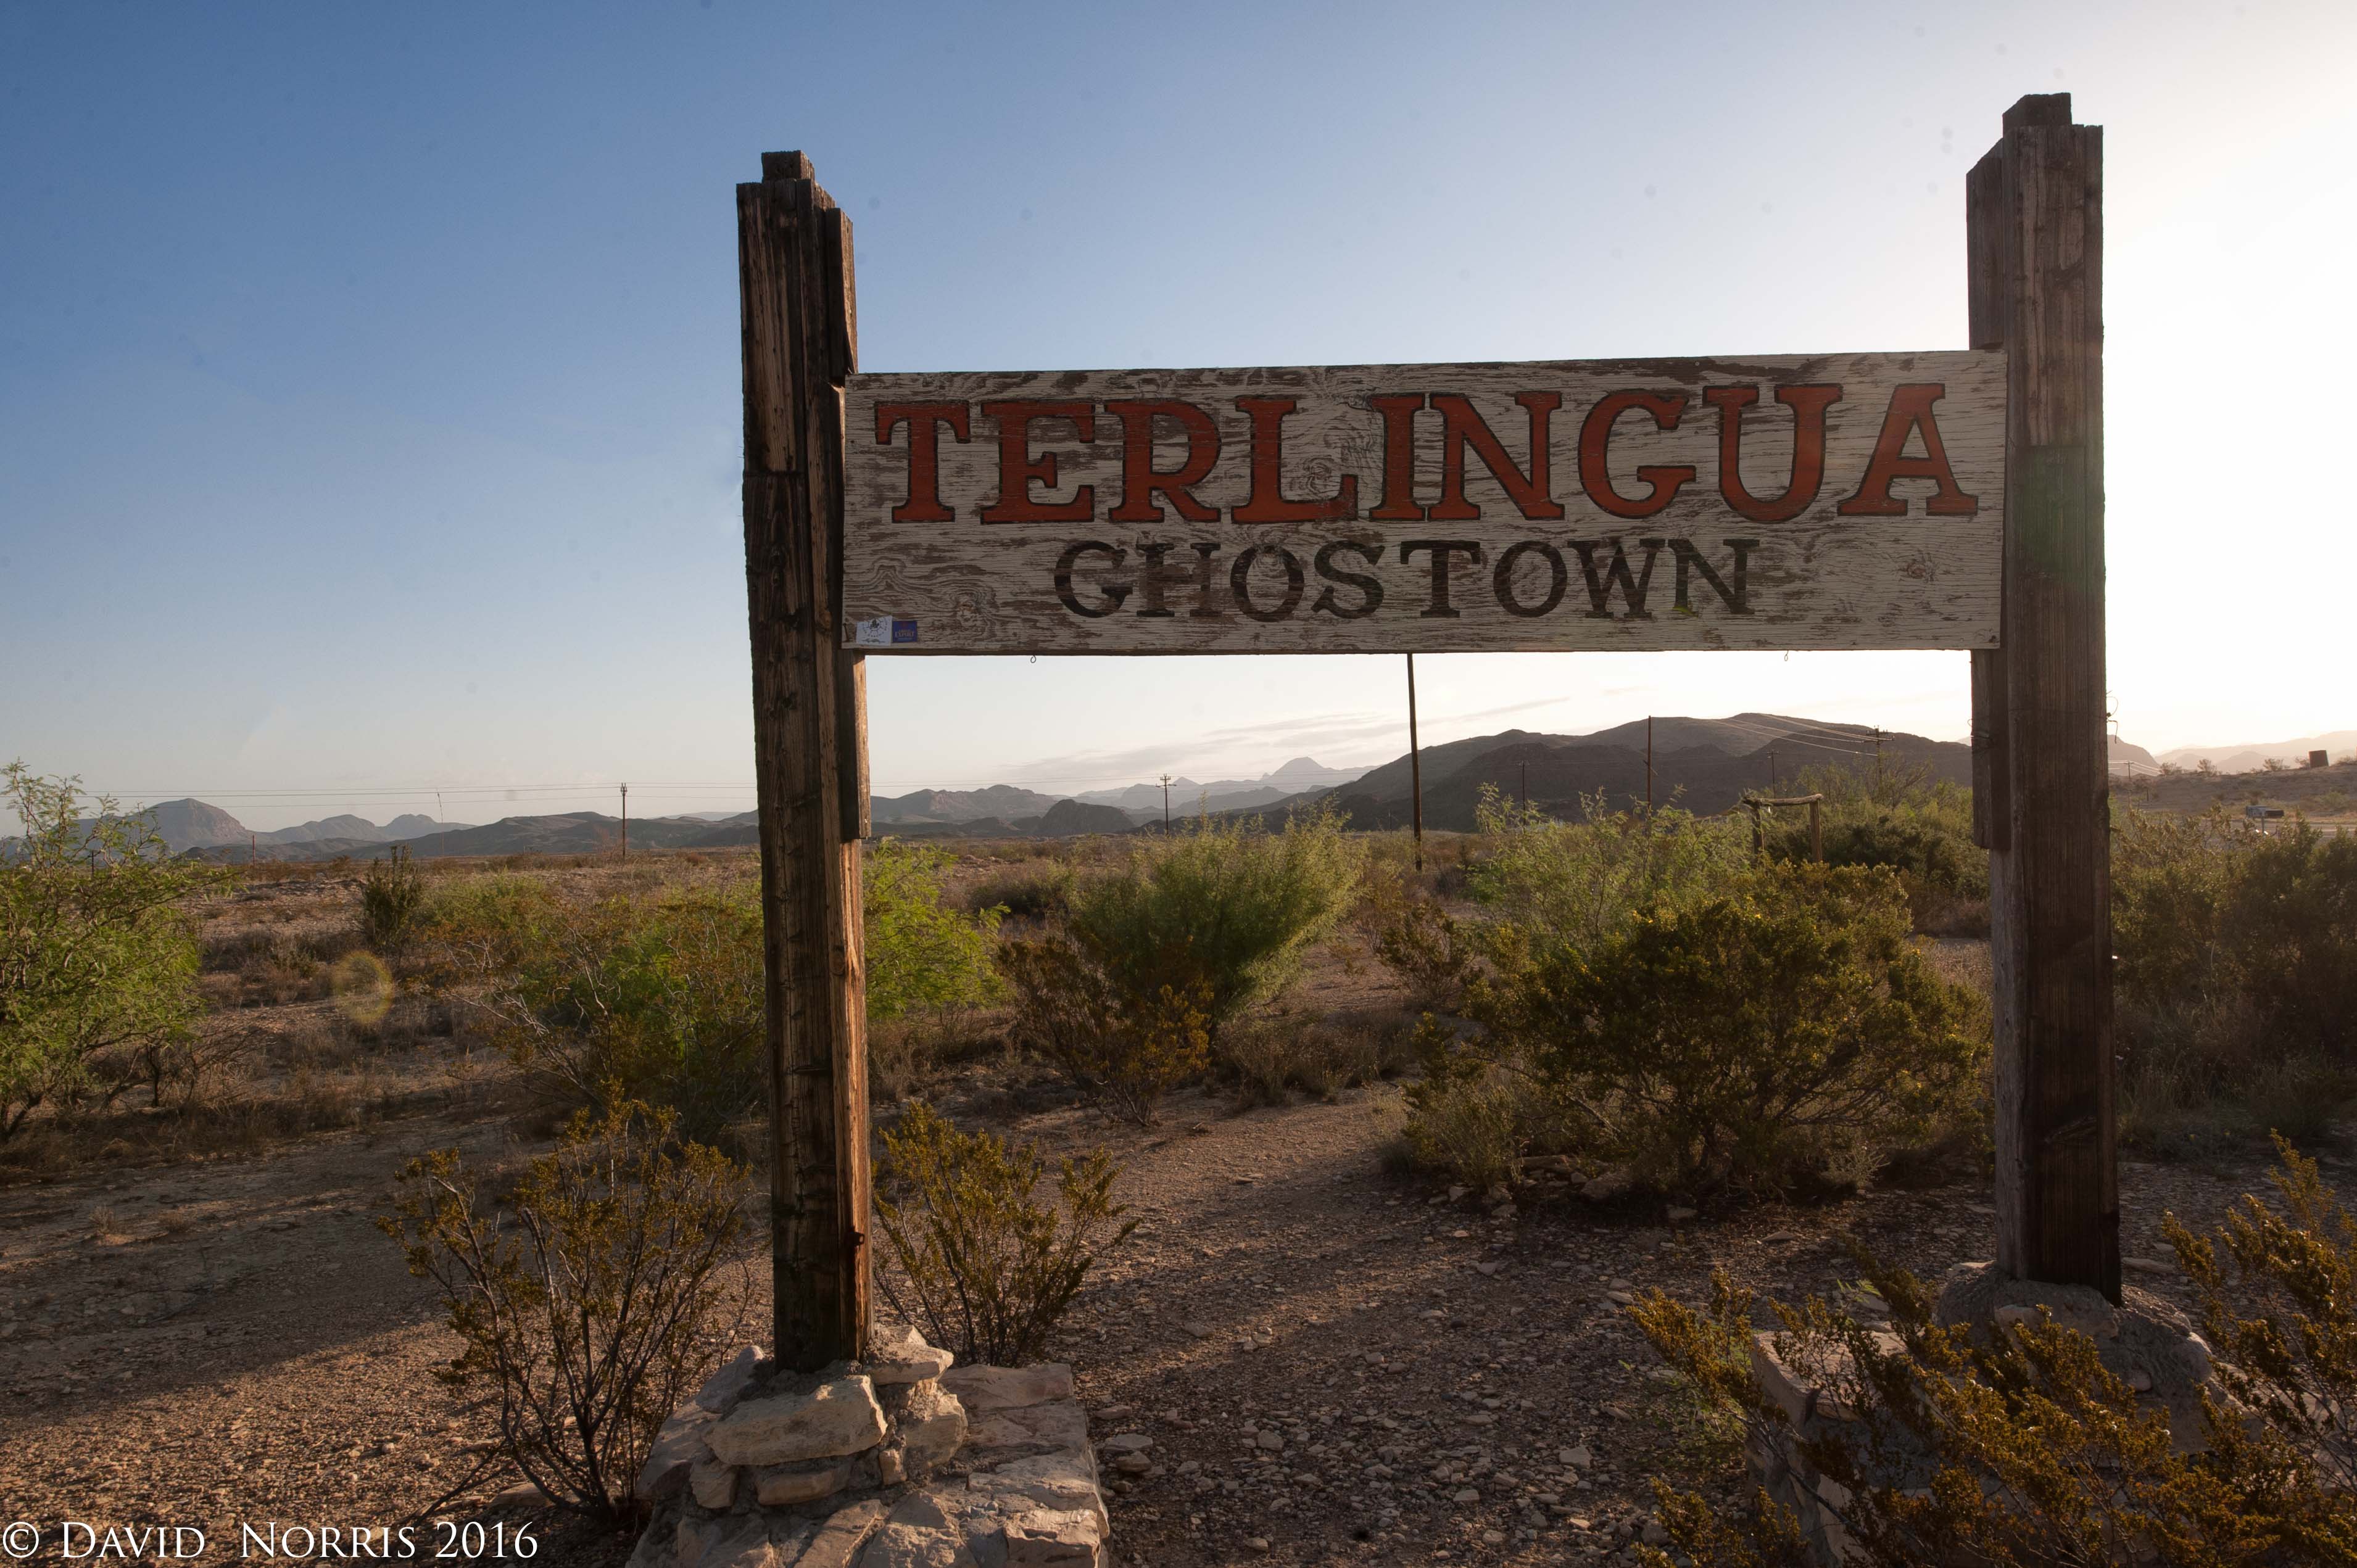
(922,956)
(1784,1029)
(1569,886)
(584,1306)
(1217,913)
(98,965)
(984,1266)
(2016,1446)
(2237,976)
(1036,890)
(660,1001)
(1420,942)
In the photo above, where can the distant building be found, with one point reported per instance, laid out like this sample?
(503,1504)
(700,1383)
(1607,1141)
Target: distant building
(2318,759)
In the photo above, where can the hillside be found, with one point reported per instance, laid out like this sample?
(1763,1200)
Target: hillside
(1704,765)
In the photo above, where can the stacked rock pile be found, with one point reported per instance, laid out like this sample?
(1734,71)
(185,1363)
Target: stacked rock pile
(892,1462)
(2146,1342)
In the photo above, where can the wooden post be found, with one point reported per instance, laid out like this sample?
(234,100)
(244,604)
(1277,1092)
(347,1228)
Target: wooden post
(1415,766)
(810,760)
(1817,831)
(2034,239)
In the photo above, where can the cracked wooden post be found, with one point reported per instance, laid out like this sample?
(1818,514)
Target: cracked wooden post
(2040,804)
(795,275)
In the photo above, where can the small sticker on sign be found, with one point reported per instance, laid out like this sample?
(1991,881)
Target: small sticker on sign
(904,631)
(876,633)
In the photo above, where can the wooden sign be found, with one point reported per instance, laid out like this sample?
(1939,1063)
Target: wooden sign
(1844,500)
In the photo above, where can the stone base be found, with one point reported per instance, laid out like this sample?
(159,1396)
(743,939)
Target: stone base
(2145,1342)
(895,1462)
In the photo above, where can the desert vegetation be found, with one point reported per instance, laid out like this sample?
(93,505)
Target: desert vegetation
(1644,1008)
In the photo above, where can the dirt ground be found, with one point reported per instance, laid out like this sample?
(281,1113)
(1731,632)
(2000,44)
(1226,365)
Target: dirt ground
(1336,1361)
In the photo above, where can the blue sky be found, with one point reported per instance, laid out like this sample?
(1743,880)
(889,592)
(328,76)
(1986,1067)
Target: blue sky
(369,384)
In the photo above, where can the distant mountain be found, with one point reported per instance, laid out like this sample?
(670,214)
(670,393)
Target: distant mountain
(190,824)
(2122,757)
(360,829)
(961,805)
(1703,765)
(2251,757)
(1070,819)
(1146,800)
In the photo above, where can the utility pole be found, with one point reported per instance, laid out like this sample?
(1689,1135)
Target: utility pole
(1649,771)
(1165,805)
(1415,766)
(626,824)
(1878,763)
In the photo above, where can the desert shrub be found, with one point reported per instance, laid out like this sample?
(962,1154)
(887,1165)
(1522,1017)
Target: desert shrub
(1270,1060)
(1908,818)
(921,955)
(2237,976)
(1569,886)
(1420,942)
(2284,1321)
(98,962)
(1782,1029)
(391,894)
(1034,890)
(2037,1453)
(984,1264)
(1123,1049)
(1475,1113)
(1217,913)
(660,1001)
(583,1306)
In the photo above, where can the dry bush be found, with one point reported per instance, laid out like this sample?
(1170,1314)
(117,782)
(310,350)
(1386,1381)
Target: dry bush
(1272,1059)
(986,1266)
(1122,1050)
(1422,944)
(583,1306)
(2237,978)
(2035,1454)
(392,897)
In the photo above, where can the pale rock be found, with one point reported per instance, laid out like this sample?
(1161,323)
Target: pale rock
(907,1358)
(838,1540)
(722,1388)
(693,1539)
(676,1449)
(1677,1216)
(1063,1480)
(1131,1464)
(983,1390)
(932,1425)
(1464,1495)
(1054,1538)
(919,1534)
(2147,1266)
(838,1417)
(1606,1188)
(891,1468)
(1057,1424)
(746,1546)
(713,1484)
(1577,1458)
(1270,1441)
(786,1487)
(1126,1442)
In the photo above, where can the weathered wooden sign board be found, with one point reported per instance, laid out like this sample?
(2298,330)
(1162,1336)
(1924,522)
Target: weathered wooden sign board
(1844,500)
(1859,501)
